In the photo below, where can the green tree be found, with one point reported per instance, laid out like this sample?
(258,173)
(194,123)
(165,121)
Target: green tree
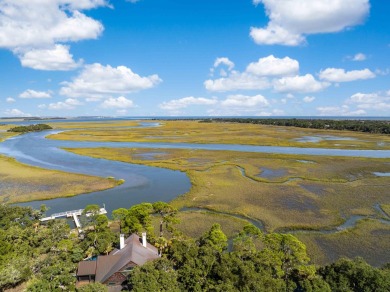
(120,215)
(215,238)
(158,275)
(355,275)
(168,215)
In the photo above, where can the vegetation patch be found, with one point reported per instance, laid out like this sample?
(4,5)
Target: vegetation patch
(310,196)
(30,128)
(195,223)
(228,133)
(368,126)
(23,183)
(370,239)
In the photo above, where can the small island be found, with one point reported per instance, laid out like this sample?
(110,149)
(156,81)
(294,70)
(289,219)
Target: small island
(30,128)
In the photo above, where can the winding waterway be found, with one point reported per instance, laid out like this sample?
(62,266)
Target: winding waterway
(142,183)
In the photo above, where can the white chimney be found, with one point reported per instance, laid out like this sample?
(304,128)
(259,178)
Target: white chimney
(144,239)
(121,241)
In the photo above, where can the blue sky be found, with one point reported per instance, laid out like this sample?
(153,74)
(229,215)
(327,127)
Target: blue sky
(194,58)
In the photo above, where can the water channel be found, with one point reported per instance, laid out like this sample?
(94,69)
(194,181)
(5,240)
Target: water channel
(142,183)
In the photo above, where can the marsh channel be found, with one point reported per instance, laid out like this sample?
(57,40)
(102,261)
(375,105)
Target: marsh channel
(142,183)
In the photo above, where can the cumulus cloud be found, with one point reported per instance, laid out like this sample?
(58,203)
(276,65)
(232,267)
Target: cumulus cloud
(184,102)
(271,66)
(29,93)
(290,21)
(303,84)
(15,113)
(256,75)
(379,101)
(97,81)
(10,100)
(308,99)
(56,58)
(29,28)
(120,102)
(237,80)
(245,101)
(68,104)
(267,72)
(340,75)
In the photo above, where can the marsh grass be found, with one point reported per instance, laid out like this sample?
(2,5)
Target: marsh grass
(226,133)
(4,134)
(327,191)
(23,183)
(369,239)
(93,125)
(386,209)
(196,223)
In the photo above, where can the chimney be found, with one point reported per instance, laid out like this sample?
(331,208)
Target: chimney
(144,239)
(121,241)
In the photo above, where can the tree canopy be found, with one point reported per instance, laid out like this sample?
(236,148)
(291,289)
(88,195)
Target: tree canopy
(30,128)
(46,255)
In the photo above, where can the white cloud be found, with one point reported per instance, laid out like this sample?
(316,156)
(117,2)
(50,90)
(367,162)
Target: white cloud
(275,34)
(29,27)
(290,21)
(10,100)
(256,75)
(245,101)
(271,66)
(184,102)
(97,81)
(237,80)
(359,57)
(308,99)
(343,110)
(378,101)
(73,102)
(224,61)
(29,93)
(120,102)
(340,75)
(15,113)
(303,84)
(54,58)
(68,104)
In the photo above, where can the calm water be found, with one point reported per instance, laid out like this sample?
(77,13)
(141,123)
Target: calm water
(142,183)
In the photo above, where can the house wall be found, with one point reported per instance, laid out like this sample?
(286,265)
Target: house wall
(130,265)
(116,278)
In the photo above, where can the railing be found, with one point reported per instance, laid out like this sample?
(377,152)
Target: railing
(71,213)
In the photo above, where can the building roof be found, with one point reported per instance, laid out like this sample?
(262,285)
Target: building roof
(86,268)
(106,266)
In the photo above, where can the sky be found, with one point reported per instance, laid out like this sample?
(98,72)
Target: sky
(194,58)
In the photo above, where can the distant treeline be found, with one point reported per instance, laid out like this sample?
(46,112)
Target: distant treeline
(30,128)
(368,126)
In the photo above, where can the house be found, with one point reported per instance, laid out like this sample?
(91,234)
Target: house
(113,269)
